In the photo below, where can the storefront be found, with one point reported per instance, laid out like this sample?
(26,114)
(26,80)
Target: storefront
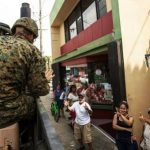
(91,48)
(103,70)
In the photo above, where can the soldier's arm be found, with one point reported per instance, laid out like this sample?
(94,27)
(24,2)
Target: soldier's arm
(37,82)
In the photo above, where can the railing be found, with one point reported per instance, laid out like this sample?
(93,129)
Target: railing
(46,133)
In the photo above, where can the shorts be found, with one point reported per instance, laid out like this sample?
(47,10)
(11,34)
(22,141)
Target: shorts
(83,132)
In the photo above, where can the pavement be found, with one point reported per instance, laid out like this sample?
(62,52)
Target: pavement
(101,141)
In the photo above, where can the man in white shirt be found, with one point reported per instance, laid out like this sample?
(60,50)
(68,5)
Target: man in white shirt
(82,126)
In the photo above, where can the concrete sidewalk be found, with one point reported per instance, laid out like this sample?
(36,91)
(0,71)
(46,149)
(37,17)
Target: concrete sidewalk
(101,141)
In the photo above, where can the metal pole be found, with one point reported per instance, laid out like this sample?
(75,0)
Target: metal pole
(40,22)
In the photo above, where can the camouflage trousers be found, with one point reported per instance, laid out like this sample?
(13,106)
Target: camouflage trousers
(11,111)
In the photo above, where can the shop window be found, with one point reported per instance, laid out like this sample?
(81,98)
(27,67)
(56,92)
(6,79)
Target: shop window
(100,88)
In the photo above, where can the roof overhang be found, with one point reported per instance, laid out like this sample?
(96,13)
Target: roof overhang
(93,48)
(61,10)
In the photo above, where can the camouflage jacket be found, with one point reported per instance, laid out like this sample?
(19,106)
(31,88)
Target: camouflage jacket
(21,67)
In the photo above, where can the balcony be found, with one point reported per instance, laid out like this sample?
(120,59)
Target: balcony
(100,28)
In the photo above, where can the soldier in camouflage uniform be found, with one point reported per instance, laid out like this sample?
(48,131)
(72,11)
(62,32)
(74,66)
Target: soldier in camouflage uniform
(4,29)
(21,67)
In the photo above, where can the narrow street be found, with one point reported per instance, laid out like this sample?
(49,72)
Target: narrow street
(65,133)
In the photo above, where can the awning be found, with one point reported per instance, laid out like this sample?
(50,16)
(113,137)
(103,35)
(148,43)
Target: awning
(86,58)
(93,48)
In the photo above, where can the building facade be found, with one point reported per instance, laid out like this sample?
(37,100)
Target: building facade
(105,40)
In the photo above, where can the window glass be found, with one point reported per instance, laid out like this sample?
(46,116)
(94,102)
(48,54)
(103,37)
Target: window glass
(79,24)
(79,18)
(101,8)
(73,30)
(72,25)
(67,34)
(89,15)
(85,4)
(85,14)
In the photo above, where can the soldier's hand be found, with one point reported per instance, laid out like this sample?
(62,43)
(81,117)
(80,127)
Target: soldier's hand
(49,75)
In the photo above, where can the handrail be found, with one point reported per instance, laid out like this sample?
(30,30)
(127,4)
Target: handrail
(44,125)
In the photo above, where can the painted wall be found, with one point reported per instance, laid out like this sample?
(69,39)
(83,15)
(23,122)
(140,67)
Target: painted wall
(109,5)
(55,40)
(62,35)
(135,30)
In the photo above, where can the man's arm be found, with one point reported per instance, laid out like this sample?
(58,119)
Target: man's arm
(88,108)
(49,74)
(144,119)
(66,103)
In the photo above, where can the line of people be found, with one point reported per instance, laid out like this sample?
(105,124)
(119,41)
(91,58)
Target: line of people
(122,121)
(79,111)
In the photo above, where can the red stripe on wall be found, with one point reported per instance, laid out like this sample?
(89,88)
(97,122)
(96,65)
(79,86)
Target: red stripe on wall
(98,29)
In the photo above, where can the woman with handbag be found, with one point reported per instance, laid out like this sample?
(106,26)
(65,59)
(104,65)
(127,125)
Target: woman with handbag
(145,140)
(123,124)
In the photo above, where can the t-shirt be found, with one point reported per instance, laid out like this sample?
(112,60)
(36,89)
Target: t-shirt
(82,115)
(147,135)
(73,97)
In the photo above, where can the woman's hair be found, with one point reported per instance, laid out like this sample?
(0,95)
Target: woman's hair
(72,86)
(124,103)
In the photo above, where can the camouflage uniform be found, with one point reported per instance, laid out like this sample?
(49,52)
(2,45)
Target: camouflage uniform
(21,66)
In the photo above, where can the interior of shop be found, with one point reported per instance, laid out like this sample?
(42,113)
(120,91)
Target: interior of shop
(95,73)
